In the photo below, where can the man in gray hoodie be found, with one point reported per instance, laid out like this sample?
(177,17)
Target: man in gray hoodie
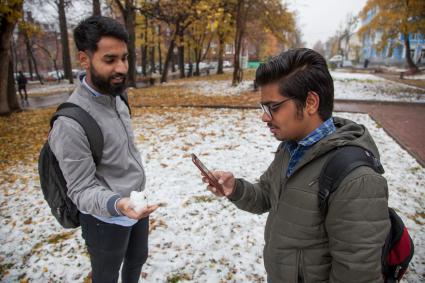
(301,243)
(114,232)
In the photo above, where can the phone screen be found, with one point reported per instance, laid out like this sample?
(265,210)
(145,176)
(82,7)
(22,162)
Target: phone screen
(207,173)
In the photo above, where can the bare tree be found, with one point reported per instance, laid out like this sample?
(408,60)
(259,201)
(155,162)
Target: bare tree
(128,11)
(319,48)
(53,55)
(66,57)
(7,25)
(348,32)
(242,9)
(159,49)
(96,8)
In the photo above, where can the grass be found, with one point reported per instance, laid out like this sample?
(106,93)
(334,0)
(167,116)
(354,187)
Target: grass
(174,278)
(21,136)
(199,199)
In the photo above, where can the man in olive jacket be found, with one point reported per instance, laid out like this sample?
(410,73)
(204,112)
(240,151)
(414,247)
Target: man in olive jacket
(301,243)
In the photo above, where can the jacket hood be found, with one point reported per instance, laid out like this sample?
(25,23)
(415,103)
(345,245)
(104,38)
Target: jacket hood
(347,133)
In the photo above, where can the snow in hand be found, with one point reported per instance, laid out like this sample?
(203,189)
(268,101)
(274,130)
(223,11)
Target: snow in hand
(138,200)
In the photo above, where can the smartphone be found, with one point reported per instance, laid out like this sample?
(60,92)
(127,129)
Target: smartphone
(207,173)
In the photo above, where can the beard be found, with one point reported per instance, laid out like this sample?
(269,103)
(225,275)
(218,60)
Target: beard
(105,85)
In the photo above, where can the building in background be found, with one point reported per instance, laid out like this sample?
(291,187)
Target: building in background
(394,52)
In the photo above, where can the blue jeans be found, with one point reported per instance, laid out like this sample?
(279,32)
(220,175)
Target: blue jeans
(109,245)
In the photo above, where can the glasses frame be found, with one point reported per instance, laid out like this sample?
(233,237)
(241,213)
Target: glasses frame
(270,108)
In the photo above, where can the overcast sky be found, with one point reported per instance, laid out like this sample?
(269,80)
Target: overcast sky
(319,19)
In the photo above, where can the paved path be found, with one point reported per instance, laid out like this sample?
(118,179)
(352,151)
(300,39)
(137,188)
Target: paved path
(45,101)
(405,122)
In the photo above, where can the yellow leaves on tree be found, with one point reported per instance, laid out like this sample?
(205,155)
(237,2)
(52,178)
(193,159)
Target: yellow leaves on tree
(390,18)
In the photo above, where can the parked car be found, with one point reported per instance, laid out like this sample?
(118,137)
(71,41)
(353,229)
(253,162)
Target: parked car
(53,75)
(347,63)
(75,72)
(336,59)
(227,64)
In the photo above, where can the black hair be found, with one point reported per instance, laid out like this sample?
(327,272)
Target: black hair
(89,32)
(298,71)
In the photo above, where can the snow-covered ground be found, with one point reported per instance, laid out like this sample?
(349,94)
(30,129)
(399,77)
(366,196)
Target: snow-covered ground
(416,77)
(197,237)
(369,87)
(214,88)
(351,86)
(63,86)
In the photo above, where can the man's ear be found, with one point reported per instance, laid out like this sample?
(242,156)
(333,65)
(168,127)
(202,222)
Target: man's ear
(312,102)
(84,60)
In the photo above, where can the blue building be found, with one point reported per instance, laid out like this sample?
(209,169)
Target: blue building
(394,52)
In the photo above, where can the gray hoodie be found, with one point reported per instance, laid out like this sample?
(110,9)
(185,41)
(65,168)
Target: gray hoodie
(96,190)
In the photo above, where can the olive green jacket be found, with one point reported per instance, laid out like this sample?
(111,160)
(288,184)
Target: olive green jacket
(302,244)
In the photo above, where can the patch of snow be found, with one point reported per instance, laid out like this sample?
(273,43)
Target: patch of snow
(341,76)
(65,86)
(215,88)
(416,77)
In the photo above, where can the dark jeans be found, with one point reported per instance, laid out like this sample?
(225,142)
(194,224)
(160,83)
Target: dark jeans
(109,245)
(20,89)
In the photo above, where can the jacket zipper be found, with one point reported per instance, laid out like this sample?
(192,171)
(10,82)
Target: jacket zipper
(300,272)
(128,140)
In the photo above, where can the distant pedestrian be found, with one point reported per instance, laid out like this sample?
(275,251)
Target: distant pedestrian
(22,85)
(366,63)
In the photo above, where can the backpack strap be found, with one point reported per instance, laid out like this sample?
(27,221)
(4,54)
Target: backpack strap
(124,97)
(87,122)
(344,160)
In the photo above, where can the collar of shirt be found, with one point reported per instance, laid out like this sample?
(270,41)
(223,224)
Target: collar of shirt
(297,150)
(89,88)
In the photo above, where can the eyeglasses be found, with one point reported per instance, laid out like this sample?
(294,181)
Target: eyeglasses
(270,108)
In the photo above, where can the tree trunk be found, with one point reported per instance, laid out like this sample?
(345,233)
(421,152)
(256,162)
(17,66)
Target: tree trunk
(14,56)
(144,48)
(220,53)
(28,48)
(181,53)
(412,67)
(240,30)
(96,8)
(189,55)
(144,58)
(197,60)
(55,65)
(181,61)
(173,62)
(32,57)
(130,18)
(6,32)
(159,49)
(197,71)
(30,67)
(168,58)
(152,59)
(12,99)
(66,57)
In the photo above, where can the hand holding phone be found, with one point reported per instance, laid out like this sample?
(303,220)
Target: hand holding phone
(207,173)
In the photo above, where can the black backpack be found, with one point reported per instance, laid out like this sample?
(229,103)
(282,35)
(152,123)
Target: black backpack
(52,182)
(398,249)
